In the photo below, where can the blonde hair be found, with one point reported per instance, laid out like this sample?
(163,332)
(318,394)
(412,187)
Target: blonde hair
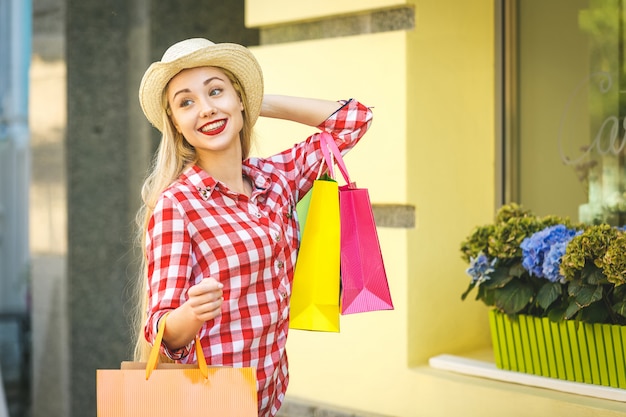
(173,155)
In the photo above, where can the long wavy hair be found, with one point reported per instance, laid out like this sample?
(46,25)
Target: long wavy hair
(173,155)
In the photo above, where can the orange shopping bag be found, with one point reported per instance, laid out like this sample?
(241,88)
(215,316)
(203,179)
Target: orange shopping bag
(143,389)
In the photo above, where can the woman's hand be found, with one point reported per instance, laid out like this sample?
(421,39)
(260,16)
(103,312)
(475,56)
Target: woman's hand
(205,299)
(204,303)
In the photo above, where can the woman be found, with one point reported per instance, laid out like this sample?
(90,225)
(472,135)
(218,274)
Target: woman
(219,229)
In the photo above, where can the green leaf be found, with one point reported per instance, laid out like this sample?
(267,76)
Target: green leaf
(557,314)
(468,290)
(595,313)
(517,270)
(620,308)
(574,286)
(486,295)
(593,275)
(619,292)
(498,279)
(571,310)
(548,293)
(514,297)
(588,294)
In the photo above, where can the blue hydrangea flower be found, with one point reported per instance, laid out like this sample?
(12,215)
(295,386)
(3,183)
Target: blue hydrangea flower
(535,250)
(552,262)
(480,267)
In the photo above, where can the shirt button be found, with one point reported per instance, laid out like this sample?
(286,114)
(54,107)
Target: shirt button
(280,264)
(277,237)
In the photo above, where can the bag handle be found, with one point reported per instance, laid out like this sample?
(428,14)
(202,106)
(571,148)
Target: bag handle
(154,352)
(327,159)
(332,155)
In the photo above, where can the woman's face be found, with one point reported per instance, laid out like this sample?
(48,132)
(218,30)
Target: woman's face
(206,109)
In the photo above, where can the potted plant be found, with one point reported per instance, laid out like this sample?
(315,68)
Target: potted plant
(555,288)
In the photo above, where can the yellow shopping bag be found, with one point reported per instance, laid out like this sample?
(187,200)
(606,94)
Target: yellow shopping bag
(315,292)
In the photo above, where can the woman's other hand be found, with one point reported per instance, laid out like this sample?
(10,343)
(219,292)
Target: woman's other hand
(205,299)
(204,303)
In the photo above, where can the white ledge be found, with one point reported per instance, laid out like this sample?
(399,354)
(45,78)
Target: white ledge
(484,369)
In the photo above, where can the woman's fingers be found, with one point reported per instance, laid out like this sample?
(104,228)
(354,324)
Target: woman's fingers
(207,285)
(206,298)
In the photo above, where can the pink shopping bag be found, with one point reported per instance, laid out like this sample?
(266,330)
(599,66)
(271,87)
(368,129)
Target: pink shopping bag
(364,281)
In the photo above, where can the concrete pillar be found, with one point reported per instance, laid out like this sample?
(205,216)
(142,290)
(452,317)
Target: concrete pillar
(108,46)
(99,201)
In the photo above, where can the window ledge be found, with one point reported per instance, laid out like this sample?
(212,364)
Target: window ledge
(483,369)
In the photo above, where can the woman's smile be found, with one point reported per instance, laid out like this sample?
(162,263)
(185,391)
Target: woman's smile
(214,128)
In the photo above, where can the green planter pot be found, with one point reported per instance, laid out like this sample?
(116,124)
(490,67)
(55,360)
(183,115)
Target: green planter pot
(589,353)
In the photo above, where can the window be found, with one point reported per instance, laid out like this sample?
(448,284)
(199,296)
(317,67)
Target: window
(564,108)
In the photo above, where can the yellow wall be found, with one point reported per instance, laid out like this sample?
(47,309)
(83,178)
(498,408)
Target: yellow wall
(450,128)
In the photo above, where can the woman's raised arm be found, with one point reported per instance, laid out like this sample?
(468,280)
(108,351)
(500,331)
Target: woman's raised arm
(308,111)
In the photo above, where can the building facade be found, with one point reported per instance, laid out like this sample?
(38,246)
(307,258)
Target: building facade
(476,103)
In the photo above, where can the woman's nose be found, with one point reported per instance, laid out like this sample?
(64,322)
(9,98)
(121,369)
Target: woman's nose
(207,109)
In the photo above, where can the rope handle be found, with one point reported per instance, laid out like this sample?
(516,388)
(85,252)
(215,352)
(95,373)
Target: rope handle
(154,352)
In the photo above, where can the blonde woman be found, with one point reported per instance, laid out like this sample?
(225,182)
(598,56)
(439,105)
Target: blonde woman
(219,229)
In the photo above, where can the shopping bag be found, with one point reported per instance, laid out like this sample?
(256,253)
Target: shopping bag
(144,390)
(302,208)
(363,277)
(315,288)
(364,284)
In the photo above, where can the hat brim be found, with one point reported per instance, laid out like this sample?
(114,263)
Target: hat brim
(233,57)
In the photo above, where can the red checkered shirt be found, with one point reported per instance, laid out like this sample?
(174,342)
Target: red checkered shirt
(202,229)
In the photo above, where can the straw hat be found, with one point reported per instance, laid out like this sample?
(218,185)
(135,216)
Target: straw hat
(198,52)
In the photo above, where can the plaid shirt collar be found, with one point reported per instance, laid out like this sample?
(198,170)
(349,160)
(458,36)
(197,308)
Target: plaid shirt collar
(198,179)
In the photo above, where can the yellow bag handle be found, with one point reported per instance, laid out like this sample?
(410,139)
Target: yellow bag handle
(154,353)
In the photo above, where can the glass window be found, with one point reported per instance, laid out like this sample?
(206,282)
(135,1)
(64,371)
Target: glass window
(564,108)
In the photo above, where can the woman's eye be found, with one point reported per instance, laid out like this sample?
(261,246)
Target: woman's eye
(215,91)
(185,102)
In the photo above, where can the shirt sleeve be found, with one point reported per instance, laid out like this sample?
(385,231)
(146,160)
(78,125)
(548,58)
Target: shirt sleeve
(348,124)
(168,248)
